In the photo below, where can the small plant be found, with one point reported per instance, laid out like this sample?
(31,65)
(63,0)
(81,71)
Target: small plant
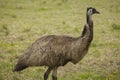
(115,27)
(4,27)
(43,9)
(64,22)
(14,16)
(93,45)
(44,2)
(5,30)
(64,0)
(27,30)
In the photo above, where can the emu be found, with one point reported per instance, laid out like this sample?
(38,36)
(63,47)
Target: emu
(55,51)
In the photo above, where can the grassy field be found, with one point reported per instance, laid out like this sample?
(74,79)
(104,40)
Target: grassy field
(24,21)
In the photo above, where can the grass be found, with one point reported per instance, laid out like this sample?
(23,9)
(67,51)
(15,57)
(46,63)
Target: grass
(24,21)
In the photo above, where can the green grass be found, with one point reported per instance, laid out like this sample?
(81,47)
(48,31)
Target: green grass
(24,21)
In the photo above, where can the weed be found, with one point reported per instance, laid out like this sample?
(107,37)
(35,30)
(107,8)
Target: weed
(115,27)
(93,45)
(44,2)
(5,30)
(76,30)
(5,27)
(26,30)
(14,16)
(63,22)
(43,9)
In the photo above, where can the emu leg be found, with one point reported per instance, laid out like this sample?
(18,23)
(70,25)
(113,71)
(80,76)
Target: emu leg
(47,73)
(54,74)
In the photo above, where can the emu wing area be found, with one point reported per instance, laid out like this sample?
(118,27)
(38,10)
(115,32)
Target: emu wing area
(50,51)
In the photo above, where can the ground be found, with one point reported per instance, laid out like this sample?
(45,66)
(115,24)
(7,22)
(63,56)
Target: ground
(24,21)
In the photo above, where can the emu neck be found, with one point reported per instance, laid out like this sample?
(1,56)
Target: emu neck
(87,33)
(89,20)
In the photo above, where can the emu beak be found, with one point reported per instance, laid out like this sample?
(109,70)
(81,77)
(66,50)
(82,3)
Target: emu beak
(97,12)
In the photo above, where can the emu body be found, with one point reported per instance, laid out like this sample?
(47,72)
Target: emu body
(54,51)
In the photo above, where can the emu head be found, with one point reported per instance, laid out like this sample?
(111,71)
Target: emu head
(91,11)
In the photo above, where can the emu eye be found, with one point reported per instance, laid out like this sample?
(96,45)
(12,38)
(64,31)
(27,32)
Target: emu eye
(90,11)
